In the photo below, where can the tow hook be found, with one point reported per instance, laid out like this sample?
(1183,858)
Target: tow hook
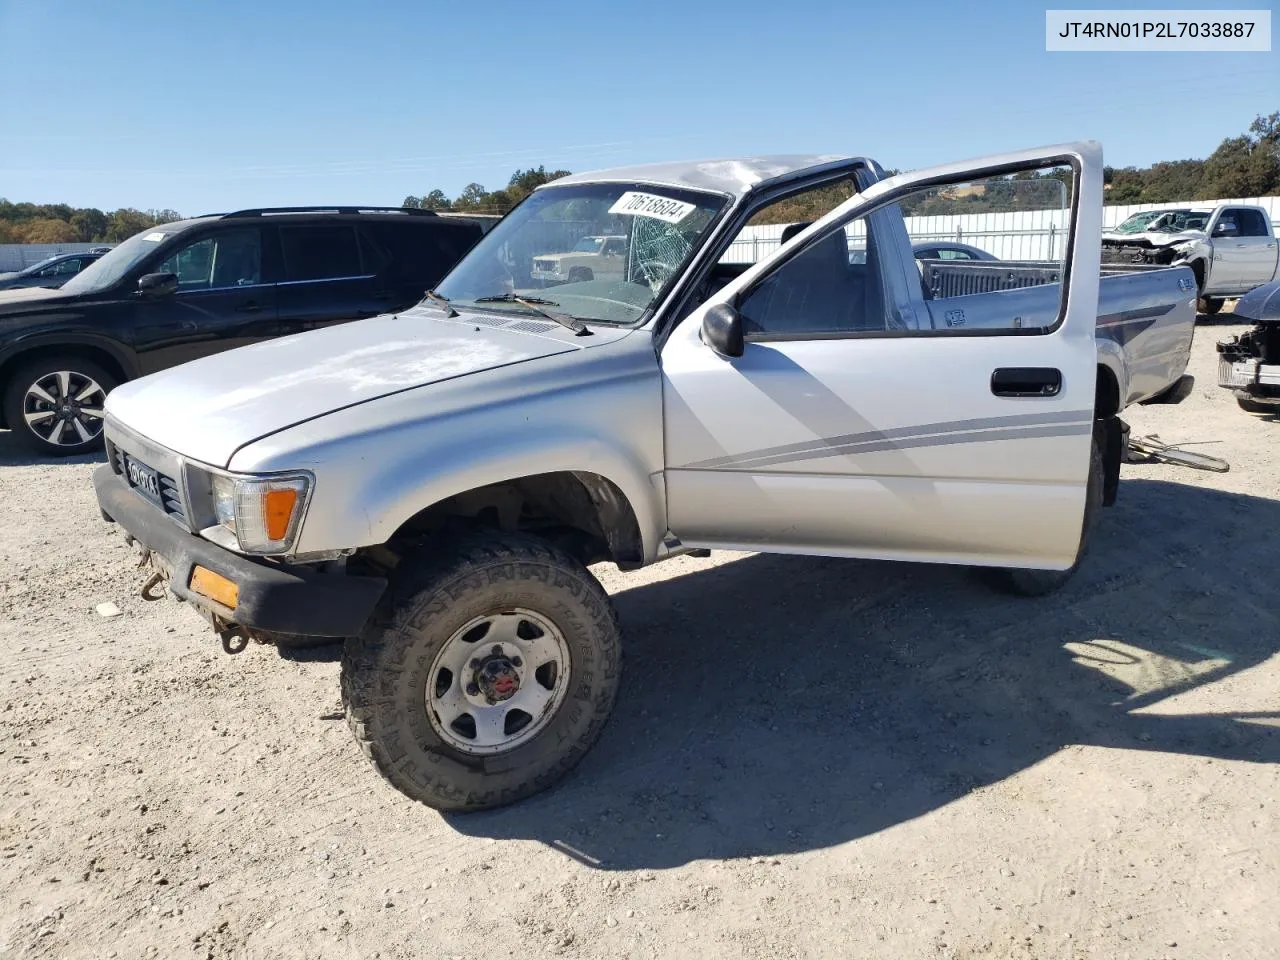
(234,639)
(149,588)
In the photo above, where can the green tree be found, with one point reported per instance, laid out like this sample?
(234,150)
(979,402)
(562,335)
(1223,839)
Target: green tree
(524,182)
(125,222)
(411,202)
(48,230)
(1248,165)
(473,197)
(90,224)
(436,200)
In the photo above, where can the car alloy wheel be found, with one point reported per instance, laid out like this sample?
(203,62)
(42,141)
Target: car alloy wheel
(64,408)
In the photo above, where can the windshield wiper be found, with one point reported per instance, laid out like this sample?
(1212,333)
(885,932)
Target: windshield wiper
(442,301)
(536,304)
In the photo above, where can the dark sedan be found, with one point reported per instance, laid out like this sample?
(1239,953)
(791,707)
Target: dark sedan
(53,272)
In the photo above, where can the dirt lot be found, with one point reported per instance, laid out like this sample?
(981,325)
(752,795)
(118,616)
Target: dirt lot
(809,758)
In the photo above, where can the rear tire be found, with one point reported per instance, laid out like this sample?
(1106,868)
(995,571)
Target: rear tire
(1209,305)
(424,659)
(1038,583)
(50,423)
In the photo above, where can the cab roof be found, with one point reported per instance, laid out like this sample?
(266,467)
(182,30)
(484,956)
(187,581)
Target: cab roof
(729,176)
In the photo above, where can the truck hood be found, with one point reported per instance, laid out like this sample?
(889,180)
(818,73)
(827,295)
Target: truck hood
(209,408)
(1152,239)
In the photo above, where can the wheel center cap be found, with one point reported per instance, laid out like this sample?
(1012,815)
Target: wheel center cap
(498,679)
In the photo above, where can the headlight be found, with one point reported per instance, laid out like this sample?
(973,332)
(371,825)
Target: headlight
(263,514)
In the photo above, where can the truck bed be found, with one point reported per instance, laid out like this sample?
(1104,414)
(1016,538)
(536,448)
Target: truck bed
(1146,314)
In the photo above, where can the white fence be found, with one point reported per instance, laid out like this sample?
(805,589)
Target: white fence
(19,256)
(1021,235)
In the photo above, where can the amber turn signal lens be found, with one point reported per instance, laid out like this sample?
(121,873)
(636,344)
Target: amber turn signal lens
(278,507)
(215,586)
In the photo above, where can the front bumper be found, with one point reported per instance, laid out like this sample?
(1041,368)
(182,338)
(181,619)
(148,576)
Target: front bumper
(273,598)
(1250,379)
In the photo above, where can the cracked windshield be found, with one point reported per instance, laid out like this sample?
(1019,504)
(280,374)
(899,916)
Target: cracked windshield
(595,252)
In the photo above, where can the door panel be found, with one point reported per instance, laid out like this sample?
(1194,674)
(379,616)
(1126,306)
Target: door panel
(863,438)
(222,301)
(1242,262)
(1249,260)
(324,279)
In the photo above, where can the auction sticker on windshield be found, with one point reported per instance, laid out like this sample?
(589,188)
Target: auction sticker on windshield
(636,204)
(154,237)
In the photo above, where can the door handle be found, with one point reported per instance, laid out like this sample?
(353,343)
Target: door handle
(251,307)
(1026,382)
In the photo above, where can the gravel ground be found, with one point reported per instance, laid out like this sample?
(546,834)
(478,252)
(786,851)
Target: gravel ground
(810,758)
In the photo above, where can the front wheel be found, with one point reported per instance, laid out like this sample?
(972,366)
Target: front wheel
(1037,583)
(489,676)
(56,405)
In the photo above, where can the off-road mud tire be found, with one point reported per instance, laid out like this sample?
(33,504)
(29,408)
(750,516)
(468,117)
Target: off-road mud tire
(385,669)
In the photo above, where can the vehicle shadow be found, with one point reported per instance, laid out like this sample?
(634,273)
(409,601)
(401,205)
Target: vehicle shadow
(15,453)
(780,704)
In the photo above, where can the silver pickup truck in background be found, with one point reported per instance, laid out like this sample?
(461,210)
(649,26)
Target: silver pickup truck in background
(1230,248)
(432,486)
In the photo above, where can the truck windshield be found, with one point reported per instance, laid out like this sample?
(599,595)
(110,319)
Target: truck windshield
(108,270)
(553,246)
(1138,222)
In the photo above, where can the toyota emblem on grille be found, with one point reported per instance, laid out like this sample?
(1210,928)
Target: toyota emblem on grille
(144,479)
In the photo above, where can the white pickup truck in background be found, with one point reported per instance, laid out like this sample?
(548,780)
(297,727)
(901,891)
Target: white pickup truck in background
(1230,248)
(431,486)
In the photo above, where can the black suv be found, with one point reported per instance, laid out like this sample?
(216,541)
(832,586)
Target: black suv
(187,289)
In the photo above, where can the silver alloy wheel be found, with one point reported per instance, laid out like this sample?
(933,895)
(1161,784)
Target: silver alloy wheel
(497,682)
(64,408)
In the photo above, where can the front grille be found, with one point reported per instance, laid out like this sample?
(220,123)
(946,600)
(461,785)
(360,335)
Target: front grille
(170,492)
(171,498)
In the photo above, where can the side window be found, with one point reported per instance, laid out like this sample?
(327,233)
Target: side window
(406,251)
(1252,223)
(1230,224)
(820,291)
(67,268)
(614,247)
(229,258)
(779,221)
(844,282)
(320,252)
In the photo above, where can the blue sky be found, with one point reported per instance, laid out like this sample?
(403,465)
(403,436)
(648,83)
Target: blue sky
(212,106)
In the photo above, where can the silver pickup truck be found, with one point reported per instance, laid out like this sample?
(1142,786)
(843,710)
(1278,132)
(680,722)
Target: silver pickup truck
(432,486)
(1230,248)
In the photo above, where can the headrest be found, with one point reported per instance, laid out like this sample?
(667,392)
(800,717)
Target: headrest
(791,229)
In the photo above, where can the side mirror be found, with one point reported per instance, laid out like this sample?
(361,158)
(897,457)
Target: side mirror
(1226,228)
(722,330)
(156,285)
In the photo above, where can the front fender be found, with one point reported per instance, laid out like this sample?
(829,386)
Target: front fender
(14,349)
(379,464)
(1190,251)
(397,490)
